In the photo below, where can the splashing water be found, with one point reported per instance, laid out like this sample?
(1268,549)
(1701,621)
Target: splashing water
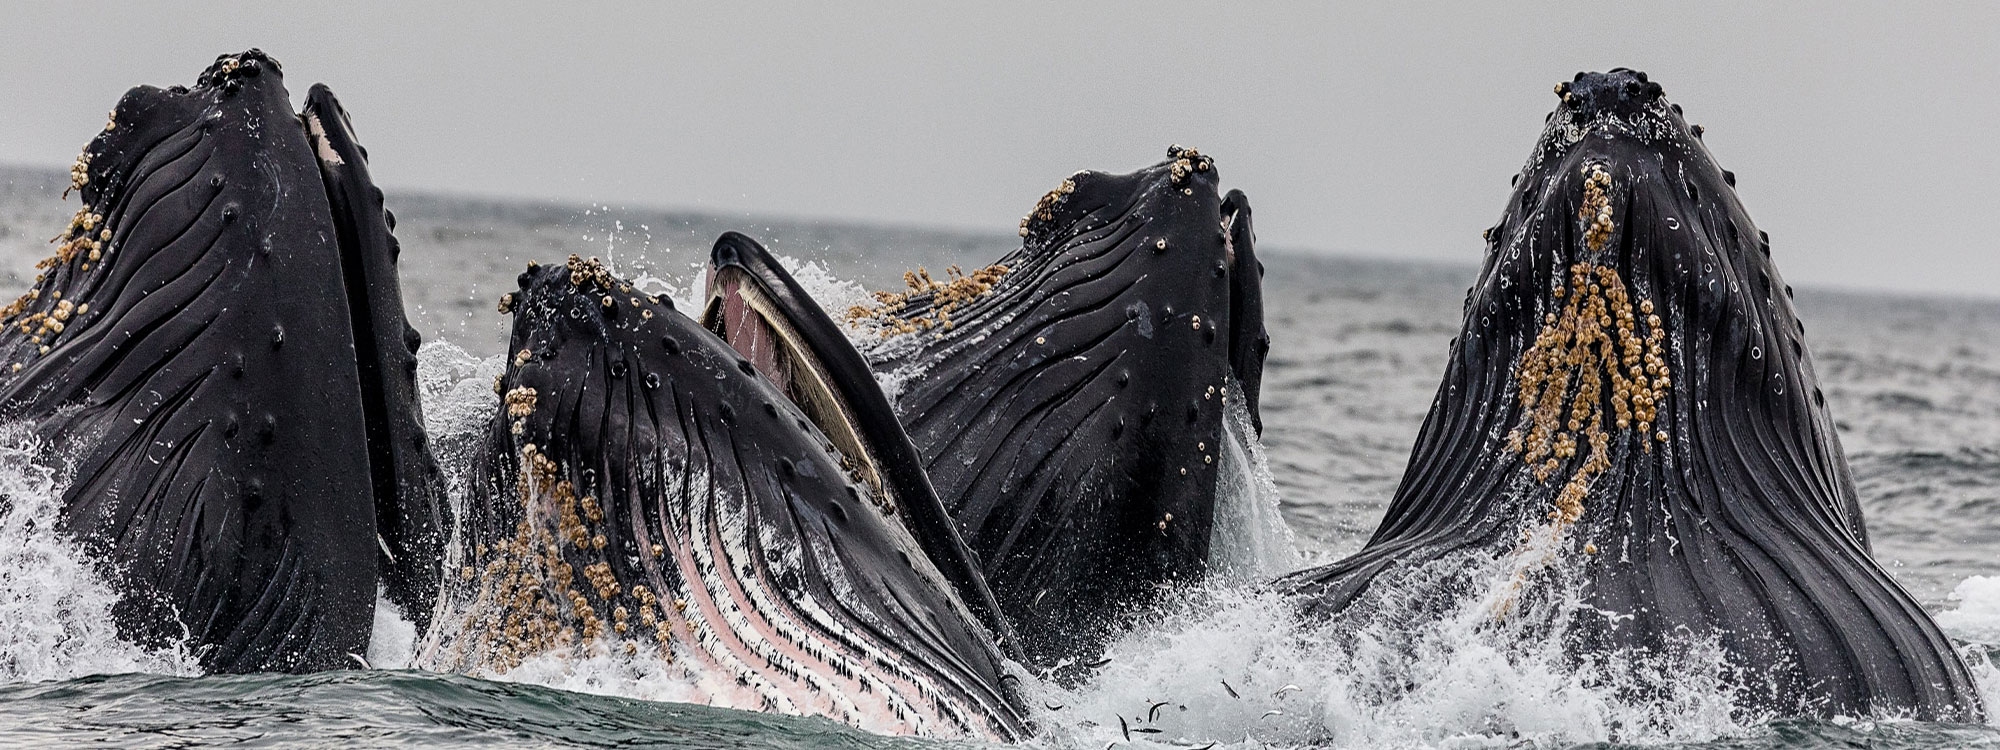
(1977,618)
(1976,623)
(1227,664)
(55,606)
(1250,541)
(393,642)
(834,294)
(604,671)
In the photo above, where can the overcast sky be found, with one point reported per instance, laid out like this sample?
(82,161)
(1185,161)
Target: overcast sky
(1866,138)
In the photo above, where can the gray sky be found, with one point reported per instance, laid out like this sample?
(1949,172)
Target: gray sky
(1866,138)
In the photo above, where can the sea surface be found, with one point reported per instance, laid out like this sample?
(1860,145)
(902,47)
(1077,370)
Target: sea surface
(1358,346)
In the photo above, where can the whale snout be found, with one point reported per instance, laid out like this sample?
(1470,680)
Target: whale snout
(1617,91)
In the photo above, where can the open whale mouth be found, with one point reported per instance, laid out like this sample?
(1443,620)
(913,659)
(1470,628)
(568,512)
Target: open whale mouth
(767,317)
(770,321)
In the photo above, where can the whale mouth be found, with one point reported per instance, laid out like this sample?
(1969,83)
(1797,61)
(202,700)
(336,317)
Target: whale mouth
(760,311)
(745,310)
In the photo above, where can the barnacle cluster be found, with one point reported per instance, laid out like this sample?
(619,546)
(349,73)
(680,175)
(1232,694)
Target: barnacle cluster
(1187,161)
(955,291)
(1600,347)
(79,172)
(582,271)
(1045,209)
(85,238)
(1596,207)
(530,598)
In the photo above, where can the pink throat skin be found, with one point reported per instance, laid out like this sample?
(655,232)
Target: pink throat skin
(747,332)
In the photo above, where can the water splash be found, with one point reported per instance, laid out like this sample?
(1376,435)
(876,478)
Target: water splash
(1975,625)
(458,398)
(1977,618)
(55,606)
(602,670)
(393,642)
(1250,541)
(1228,664)
(833,293)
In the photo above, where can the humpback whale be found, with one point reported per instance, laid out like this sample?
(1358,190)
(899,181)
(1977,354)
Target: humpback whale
(1631,410)
(218,351)
(646,491)
(1068,401)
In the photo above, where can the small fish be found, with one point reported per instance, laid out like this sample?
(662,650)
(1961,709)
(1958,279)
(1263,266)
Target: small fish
(1154,712)
(1232,691)
(1283,690)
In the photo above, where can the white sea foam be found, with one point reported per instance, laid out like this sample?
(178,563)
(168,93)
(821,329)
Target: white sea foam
(54,604)
(1985,666)
(1976,622)
(1230,664)
(1977,617)
(393,643)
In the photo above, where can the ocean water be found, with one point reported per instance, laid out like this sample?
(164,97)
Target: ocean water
(1358,346)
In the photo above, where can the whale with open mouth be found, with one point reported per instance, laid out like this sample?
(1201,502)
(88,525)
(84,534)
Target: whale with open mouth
(1631,408)
(756,306)
(648,492)
(219,353)
(1068,401)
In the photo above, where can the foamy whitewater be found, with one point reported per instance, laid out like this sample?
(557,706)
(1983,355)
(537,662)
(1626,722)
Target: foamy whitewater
(1358,347)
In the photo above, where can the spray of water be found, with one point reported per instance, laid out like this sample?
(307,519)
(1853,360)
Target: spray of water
(1975,623)
(1251,541)
(54,603)
(1228,664)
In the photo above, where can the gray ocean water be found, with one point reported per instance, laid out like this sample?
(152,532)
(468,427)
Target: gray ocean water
(1358,346)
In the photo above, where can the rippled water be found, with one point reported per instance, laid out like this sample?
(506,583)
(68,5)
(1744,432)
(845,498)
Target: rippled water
(1358,346)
